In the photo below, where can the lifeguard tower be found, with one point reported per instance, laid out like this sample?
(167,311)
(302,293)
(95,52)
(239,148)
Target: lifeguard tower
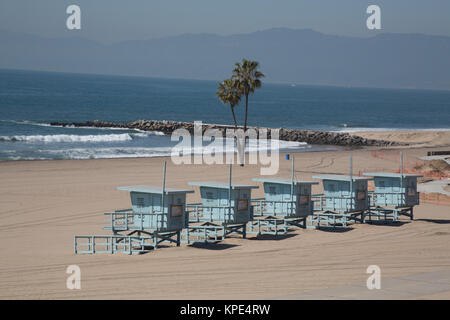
(225,208)
(395,195)
(286,203)
(158,214)
(345,199)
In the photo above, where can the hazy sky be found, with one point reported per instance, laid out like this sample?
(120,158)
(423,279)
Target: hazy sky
(115,20)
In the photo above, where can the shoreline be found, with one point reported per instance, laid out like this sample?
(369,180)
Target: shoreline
(312,137)
(168,156)
(401,139)
(412,148)
(312,140)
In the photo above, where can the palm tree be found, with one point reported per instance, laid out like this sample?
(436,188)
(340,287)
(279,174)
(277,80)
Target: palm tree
(229,92)
(249,79)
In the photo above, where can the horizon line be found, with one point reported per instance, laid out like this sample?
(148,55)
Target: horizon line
(214,80)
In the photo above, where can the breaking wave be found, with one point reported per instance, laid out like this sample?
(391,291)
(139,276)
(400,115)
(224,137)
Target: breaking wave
(55,138)
(69,138)
(140,152)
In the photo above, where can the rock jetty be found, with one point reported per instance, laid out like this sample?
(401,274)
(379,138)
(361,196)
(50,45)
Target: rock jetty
(308,136)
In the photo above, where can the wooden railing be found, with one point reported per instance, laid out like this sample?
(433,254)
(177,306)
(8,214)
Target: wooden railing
(274,207)
(201,213)
(127,219)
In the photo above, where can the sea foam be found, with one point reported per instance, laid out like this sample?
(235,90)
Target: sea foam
(68,138)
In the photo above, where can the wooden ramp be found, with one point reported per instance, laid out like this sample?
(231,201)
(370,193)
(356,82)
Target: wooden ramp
(268,225)
(211,232)
(113,244)
(129,244)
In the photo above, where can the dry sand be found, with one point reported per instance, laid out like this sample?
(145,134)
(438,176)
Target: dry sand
(45,203)
(413,137)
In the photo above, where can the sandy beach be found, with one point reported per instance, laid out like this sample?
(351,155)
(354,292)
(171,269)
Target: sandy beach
(45,203)
(421,138)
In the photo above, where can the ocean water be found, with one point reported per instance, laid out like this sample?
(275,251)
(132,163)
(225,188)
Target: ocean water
(29,101)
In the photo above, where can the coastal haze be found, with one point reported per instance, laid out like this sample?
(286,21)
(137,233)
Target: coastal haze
(287,55)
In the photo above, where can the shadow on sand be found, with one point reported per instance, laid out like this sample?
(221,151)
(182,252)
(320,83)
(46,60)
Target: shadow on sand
(438,221)
(387,224)
(273,237)
(335,229)
(213,246)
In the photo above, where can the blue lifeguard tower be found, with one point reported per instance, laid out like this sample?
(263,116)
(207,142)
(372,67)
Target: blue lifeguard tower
(284,198)
(395,194)
(225,208)
(158,214)
(286,203)
(344,199)
(394,189)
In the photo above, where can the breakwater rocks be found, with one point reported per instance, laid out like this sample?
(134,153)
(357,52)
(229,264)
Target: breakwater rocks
(308,136)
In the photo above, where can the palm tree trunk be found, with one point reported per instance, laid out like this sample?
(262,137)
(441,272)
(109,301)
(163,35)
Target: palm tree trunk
(234,117)
(245,120)
(246,109)
(238,144)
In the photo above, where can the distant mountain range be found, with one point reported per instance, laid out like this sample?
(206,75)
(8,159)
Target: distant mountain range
(286,55)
